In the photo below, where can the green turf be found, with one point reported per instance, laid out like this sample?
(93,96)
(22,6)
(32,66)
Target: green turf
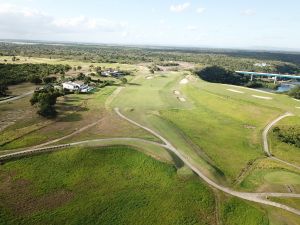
(112,185)
(237,212)
(283,150)
(225,129)
(272,179)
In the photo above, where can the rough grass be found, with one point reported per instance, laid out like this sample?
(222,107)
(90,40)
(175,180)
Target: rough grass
(112,185)
(283,150)
(236,212)
(75,111)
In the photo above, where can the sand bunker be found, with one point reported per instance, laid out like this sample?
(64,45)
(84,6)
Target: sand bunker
(184,81)
(149,78)
(236,91)
(181,99)
(262,97)
(176,92)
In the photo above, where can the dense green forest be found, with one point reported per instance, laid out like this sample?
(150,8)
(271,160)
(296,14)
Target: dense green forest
(17,73)
(217,74)
(234,60)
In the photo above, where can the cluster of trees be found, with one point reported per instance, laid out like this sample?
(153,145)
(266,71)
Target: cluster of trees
(45,99)
(295,92)
(35,73)
(262,84)
(3,88)
(288,134)
(217,74)
(229,59)
(154,68)
(168,64)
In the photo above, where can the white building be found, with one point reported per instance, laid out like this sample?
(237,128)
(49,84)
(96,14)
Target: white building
(76,86)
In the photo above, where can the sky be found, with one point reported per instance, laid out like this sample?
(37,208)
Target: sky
(247,24)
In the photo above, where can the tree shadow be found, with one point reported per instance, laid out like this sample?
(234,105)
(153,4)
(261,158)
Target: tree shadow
(73,117)
(134,84)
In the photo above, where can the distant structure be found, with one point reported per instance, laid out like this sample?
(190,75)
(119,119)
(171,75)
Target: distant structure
(76,86)
(273,76)
(111,72)
(261,64)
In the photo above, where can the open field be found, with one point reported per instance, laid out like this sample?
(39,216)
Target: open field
(218,126)
(90,185)
(108,180)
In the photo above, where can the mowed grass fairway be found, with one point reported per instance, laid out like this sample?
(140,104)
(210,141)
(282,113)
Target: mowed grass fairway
(111,185)
(227,130)
(221,130)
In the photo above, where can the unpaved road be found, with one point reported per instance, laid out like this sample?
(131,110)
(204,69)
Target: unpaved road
(36,149)
(17,97)
(266,144)
(254,197)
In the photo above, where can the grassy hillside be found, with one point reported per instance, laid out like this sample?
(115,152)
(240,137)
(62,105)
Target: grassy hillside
(112,185)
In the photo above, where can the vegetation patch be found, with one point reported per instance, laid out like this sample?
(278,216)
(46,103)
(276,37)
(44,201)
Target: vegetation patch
(236,212)
(288,134)
(111,185)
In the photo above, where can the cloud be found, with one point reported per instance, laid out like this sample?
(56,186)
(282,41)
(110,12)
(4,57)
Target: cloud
(191,27)
(17,22)
(200,10)
(180,7)
(248,12)
(83,23)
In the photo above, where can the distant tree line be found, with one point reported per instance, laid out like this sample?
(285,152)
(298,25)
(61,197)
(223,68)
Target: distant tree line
(18,73)
(233,60)
(36,73)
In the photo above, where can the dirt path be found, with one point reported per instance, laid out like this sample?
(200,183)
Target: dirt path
(69,135)
(266,144)
(17,97)
(35,149)
(254,197)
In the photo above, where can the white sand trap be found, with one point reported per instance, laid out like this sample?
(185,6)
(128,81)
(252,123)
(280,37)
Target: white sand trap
(181,99)
(176,92)
(297,107)
(262,97)
(236,91)
(149,78)
(296,100)
(184,81)
(250,89)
